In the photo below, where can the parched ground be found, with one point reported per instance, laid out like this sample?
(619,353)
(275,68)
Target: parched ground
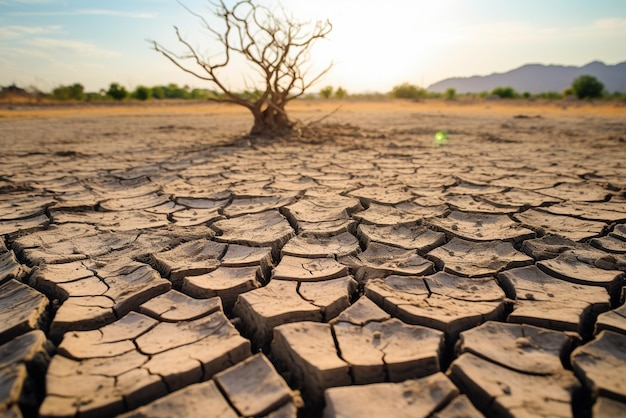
(155,263)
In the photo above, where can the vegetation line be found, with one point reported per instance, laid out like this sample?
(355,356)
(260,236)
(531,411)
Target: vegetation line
(584,87)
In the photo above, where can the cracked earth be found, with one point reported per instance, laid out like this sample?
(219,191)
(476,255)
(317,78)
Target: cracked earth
(152,265)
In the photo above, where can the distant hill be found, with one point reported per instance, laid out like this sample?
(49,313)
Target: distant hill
(538,78)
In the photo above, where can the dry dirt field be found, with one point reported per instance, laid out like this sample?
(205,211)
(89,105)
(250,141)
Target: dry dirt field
(155,262)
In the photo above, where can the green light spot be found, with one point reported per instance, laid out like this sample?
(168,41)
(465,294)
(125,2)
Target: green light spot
(441,138)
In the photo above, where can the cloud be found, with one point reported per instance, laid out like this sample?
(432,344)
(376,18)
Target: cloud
(12,2)
(17,31)
(90,12)
(14,52)
(510,34)
(612,24)
(83,49)
(118,13)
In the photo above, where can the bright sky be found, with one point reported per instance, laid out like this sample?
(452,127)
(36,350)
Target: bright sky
(374,44)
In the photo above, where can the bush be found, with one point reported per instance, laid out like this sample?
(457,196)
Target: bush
(551,95)
(505,92)
(587,87)
(158,92)
(202,94)
(116,91)
(142,93)
(74,92)
(341,93)
(450,93)
(250,94)
(407,91)
(568,92)
(326,92)
(95,96)
(173,91)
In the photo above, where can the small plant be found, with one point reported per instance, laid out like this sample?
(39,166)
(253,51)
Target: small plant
(407,91)
(326,92)
(95,96)
(202,94)
(450,93)
(142,93)
(117,92)
(158,92)
(552,95)
(568,92)
(505,92)
(341,93)
(174,91)
(75,91)
(587,87)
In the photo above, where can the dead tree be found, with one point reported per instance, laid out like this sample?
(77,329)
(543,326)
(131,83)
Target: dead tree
(274,45)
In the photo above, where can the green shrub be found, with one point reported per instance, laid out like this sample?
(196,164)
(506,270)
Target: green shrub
(341,93)
(95,96)
(173,91)
(158,92)
(202,94)
(450,93)
(587,87)
(250,94)
(142,93)
(326,92)
(505,92)
(551,95)
(116,91)
(407,91)
(75,91)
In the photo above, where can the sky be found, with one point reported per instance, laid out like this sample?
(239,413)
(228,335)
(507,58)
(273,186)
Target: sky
(374,45)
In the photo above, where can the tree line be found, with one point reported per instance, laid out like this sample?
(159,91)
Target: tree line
(116,91)
(583,87)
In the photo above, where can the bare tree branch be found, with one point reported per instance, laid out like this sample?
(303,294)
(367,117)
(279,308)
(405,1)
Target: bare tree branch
(315,121)
(276,46)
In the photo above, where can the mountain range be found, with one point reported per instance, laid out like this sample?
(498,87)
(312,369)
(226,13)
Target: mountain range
(538,78)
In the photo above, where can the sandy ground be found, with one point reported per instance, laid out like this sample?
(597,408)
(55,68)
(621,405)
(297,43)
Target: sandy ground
(153,257)
(127,124)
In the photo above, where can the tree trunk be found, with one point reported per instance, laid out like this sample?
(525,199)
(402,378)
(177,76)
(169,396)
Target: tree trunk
(270,122)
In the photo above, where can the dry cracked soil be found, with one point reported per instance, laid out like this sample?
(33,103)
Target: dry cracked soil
(155,263)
